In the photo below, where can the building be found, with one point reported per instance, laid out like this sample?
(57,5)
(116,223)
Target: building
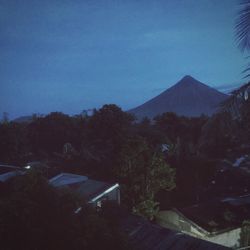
(94,192)
(7,172)
(143,235)
(217,221)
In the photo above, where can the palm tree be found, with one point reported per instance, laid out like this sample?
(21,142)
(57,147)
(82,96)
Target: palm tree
(242,26)
(242,30)
(242,34)
(239,99)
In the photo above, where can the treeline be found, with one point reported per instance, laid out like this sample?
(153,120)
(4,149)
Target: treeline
(34,215)
(146,157)
(107,146)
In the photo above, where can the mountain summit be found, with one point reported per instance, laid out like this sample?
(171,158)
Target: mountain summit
(188,97)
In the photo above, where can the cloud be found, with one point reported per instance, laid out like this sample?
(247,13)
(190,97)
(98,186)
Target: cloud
(229,87)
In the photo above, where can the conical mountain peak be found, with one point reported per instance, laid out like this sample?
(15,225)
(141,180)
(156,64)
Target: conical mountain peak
(189,80)
(188,97)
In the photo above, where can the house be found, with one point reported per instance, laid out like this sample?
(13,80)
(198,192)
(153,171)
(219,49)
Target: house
(218,221)
(7,172)
(94,192)
(144,235)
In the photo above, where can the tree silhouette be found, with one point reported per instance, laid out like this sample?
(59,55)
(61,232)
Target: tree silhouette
(242,30)
(243,26)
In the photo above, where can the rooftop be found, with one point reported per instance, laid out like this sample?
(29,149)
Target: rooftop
(7,171)
(144,235)
(8,168)
(67,179)
(82,185)
(220,214)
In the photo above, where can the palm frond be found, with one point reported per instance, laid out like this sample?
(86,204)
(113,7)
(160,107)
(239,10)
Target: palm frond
(242,27)
(246,76)
(233,103)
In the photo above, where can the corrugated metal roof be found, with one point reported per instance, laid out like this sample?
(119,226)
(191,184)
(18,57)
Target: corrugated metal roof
(64,179)
(8,168)
(87,188)
(148,236)
(213,215)
(92,188)
(6,176)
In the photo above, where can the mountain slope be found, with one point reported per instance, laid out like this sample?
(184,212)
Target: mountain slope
(188,97)
(24,119)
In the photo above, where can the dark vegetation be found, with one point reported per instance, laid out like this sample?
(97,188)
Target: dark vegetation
(172,161)
(112,146)
(33,215)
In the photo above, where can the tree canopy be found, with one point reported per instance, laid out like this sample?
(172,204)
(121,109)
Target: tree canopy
(33,215)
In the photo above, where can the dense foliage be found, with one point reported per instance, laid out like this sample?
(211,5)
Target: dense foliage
(33,215)
(148,158)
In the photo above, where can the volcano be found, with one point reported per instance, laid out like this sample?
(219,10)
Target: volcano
(188,97)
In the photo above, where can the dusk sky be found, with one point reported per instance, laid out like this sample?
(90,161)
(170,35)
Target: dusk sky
(70,55)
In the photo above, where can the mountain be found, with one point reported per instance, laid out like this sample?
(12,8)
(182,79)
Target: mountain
(24,119)
(187,97)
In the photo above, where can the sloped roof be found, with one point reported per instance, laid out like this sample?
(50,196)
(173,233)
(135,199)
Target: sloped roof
(7,172)
(220,214)
(92,188)
(64,179)
(6,176)
(82,185)
(8,168)
(144,235)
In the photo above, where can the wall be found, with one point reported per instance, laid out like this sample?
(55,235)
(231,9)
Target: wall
(229,238)
(173,220)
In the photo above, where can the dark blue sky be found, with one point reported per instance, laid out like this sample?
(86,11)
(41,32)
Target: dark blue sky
(70,55)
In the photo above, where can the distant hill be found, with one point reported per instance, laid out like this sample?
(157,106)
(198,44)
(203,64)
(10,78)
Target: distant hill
(24,119)
(187,97)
